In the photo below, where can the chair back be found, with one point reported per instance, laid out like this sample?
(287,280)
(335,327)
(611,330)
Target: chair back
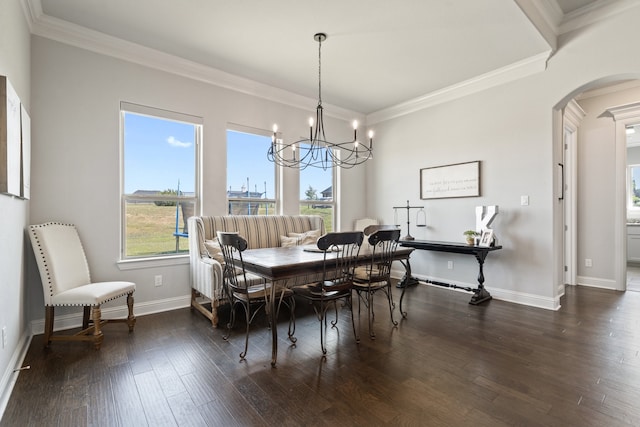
(370,229)
(384,243)
(232,246)
(60,256)
(341,251)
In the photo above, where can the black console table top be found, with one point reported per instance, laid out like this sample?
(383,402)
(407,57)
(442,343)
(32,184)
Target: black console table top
(455,247)
(480,294)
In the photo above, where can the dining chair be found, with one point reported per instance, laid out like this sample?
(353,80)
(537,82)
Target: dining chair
(249,291)
(66,281)
(376,275)
(340,251)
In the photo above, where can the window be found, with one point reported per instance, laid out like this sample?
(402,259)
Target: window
(317,189)
(160,154)
(251,177)
(633,187)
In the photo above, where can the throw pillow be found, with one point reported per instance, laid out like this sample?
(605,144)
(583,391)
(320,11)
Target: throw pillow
(288,242)
(308,238)
(214,250)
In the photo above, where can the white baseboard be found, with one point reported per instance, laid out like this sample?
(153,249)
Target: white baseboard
(10,376)
(496,293)
(596,282)
(70,321)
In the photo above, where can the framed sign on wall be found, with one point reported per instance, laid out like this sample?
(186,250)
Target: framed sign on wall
(457,180)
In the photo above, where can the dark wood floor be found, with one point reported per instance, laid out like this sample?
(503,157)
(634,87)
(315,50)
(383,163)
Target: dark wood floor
(448,364)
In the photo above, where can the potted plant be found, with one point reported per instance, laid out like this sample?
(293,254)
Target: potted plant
(470,235)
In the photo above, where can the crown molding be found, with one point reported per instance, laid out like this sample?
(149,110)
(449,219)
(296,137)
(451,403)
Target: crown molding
(546,16)
(94,41)
(594,12)
(515,71)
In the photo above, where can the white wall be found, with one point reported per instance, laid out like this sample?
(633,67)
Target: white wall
(76,154)
(509,128)
(15,64)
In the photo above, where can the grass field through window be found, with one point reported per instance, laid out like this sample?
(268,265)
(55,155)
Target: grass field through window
(150,228)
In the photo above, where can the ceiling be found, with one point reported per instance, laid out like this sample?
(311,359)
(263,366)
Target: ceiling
(378,53)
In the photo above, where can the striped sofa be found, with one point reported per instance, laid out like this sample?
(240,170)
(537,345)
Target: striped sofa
(260,231)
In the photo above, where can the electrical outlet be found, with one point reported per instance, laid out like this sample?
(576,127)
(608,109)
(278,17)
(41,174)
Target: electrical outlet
(4,336)
(588,262)
(450,265)
(158,280)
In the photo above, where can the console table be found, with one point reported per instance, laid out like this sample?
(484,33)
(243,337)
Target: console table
(480,294)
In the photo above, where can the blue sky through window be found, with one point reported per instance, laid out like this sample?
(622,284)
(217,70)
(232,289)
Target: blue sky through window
(247,159)
(158,153)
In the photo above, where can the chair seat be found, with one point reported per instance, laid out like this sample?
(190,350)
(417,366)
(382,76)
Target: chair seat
(368,277)
(93,294)
(330,290)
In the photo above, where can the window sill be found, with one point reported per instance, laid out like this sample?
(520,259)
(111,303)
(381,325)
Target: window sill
(134,264)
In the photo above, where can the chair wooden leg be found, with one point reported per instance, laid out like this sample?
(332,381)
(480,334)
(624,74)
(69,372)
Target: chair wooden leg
(97,333)
(48,324)
(131,319)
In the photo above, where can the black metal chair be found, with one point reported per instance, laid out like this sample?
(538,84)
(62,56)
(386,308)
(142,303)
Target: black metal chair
(340,256)
(376,275)
(249,290)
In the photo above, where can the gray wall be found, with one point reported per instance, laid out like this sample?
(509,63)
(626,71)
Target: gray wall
(15,64)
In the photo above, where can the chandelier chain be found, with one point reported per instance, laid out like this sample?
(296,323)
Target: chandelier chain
(320,71)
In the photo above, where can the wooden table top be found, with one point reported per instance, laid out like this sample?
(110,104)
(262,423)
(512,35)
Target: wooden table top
(284,263)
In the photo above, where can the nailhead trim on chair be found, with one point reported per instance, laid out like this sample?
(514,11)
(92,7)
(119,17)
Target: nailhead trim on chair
(31,230)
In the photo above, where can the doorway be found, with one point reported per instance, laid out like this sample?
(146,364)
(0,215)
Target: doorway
(633,206)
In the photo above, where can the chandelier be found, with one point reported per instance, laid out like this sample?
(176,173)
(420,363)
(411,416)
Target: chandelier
(316,150)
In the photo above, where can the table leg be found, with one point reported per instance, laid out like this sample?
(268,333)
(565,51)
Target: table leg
(481,294)
(406,281)
(274,326)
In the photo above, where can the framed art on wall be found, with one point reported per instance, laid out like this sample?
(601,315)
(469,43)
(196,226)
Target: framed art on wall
(9,139)
(457,180)
(25,153)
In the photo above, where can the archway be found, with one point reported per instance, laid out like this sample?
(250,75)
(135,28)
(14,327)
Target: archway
(564,115)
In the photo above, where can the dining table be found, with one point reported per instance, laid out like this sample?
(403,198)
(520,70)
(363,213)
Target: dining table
(285,266)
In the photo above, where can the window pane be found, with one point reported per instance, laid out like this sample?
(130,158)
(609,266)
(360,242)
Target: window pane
(158,154)
(325,211)
(316,185)
(151,228)
(250,174)
(159,167)
(251,208)
(635,186)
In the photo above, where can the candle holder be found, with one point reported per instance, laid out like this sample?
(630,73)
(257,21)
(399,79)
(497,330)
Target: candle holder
(408,208)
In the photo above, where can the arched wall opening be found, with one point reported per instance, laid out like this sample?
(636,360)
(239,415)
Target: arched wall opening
(598,246)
